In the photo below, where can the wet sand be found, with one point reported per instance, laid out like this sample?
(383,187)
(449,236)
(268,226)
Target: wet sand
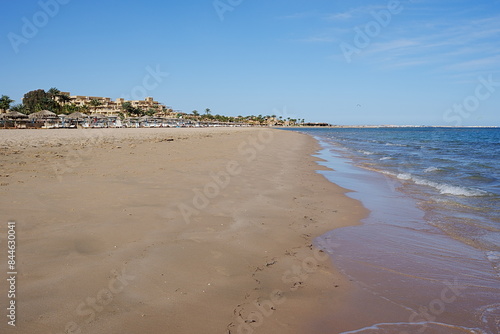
(170,230)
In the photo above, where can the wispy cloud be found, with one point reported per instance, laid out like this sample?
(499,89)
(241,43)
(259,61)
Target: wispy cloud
(347,15)
(452,44)
(318,39)
(486,62)
(300,15)
(395,46)
(421,36)
(352,13)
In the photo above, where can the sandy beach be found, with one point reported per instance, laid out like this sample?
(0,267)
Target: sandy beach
(169,231)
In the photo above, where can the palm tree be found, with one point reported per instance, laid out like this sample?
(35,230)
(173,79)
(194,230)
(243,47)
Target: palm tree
(127,108)
(84,109)
(208,111)
(5,102)
(95,103)
(19,108)
(54,92)
(196,113)
(64,98)
(69,108)
(55,97)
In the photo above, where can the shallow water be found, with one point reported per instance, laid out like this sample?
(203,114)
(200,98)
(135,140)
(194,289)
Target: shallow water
(430,245)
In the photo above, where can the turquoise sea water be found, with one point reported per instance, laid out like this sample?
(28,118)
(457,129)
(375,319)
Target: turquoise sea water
(431,244)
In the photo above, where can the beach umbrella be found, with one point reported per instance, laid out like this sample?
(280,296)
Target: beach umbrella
(77,115)
(98,116)
(14,115)
(44,114)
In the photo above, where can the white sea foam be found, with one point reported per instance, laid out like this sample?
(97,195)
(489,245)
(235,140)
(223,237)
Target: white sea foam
(404,176)
(444,189)
(391,144)
(447,189)
(386,158)
(490,315)
(493,256)
(431,169)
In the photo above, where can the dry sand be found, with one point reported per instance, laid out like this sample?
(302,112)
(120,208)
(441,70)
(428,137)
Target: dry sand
(169,231)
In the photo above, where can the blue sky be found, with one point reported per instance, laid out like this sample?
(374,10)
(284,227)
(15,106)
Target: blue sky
(342,62)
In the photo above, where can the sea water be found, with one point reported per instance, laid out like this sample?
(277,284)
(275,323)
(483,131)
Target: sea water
(431,244)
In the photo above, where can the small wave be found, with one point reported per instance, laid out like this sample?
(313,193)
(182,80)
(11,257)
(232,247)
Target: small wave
(385,158)
(431,169)
(392,144)
(404,176)
(447,189)
(365,152)
(444,189)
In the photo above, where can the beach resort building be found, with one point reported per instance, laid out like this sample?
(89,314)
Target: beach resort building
(107,107)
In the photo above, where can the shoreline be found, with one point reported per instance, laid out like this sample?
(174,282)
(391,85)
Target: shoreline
(415,276)
(196,230)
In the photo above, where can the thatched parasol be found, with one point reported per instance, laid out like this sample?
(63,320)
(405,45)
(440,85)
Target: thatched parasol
(44,114)
(99,116)
(14,115)
(77,115)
